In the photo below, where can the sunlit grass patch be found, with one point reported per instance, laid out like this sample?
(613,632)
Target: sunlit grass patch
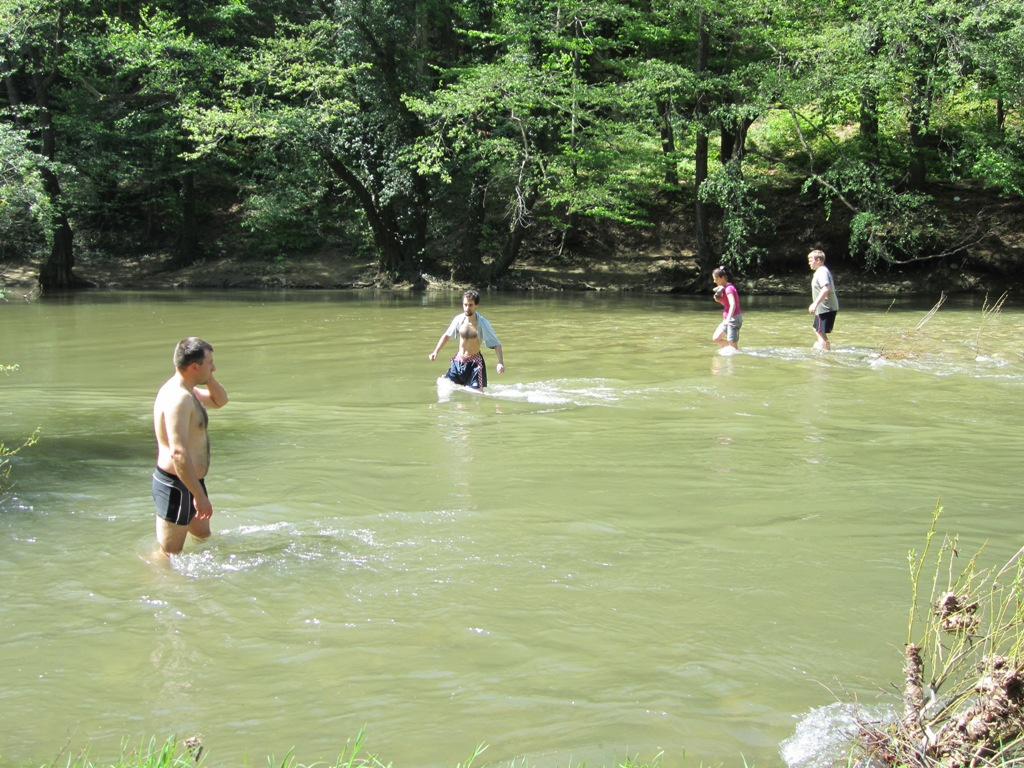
(189,753)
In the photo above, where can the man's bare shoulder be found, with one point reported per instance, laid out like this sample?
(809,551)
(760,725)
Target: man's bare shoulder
(172,395)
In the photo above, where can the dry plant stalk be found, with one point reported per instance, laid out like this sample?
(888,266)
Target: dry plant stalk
(963,695)
(903,345)
(988,312)
(194,745)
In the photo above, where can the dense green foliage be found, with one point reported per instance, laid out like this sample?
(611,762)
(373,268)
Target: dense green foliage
(452,134)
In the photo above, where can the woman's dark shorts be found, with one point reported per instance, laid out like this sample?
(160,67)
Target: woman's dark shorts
(173,500)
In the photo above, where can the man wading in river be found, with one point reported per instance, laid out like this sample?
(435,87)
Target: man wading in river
(183,445)
(467,368)
(825,304)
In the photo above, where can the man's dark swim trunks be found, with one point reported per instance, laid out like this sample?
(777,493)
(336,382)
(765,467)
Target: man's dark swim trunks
(824,322)
(173,500)
(468,371)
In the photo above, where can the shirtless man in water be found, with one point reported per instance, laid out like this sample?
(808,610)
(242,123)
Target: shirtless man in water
(467,367)
(180,422)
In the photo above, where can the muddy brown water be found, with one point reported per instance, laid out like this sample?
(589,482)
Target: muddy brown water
(630,546)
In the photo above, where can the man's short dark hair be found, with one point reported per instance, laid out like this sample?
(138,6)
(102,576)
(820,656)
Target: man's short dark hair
(473,295)
(190,350)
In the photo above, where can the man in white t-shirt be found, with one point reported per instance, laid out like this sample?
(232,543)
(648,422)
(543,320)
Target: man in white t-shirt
(824,301)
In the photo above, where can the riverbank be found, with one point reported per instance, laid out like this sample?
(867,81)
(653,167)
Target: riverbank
(633,271)
(983,253)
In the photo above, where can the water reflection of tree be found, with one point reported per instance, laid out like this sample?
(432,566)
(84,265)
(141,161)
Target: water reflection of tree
(455,424)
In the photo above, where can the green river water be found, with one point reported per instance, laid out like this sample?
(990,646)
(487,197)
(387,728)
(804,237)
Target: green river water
(630,546)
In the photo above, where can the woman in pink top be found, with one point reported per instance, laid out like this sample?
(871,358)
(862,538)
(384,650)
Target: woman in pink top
(727,334)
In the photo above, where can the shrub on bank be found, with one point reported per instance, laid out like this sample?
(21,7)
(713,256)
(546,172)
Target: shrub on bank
(963,693)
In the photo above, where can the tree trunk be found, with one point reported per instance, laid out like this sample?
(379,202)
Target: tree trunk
(734,140)
(869,103)
(917,172)
(704,254)
(467,263)
(416,243)
(188,250)
(516,235)
(393,257)
(390,256)
(668,142)
(869,117)
(57,272)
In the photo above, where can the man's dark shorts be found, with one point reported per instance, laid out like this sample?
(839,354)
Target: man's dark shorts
(823,323)
(173,500)
(468,372)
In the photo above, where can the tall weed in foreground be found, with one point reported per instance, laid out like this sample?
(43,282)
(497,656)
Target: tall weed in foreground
(350,757)
(963,693)
(5,461)
(151,755)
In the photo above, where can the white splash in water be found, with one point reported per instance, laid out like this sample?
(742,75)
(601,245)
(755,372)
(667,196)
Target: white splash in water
(580,392)
(824,735)
(561,392)
(276,545)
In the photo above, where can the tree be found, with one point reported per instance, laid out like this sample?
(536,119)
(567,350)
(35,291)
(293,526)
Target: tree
(709,69)
(545,126)
(24,204)
(138,72)
(455,132)
(142,71)
(325,101)
(993,145)
(34,35)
